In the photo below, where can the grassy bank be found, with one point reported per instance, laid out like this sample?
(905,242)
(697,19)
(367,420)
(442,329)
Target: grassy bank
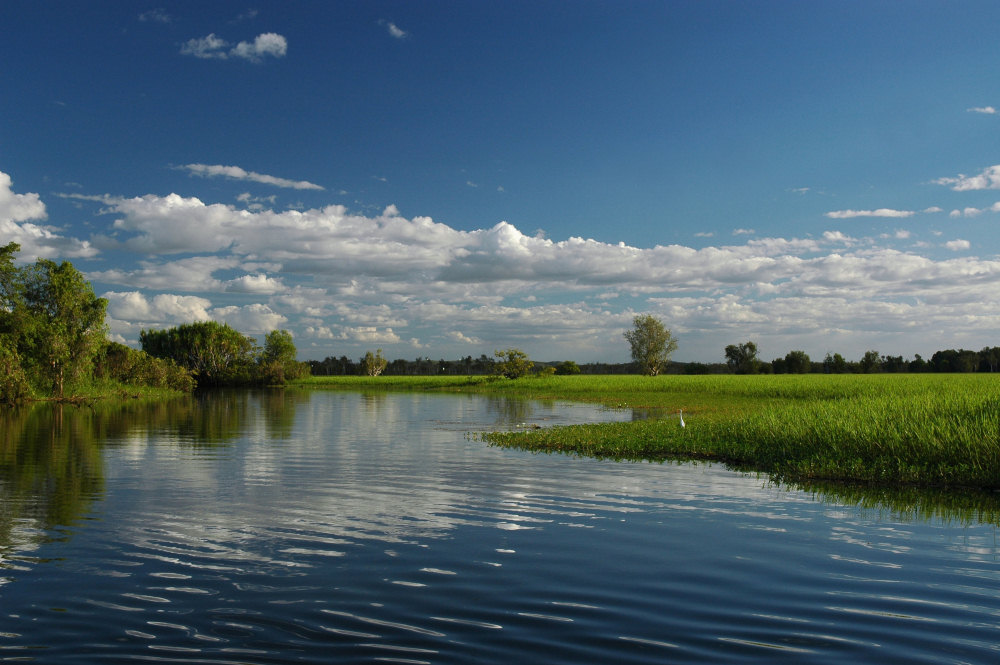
(934,430)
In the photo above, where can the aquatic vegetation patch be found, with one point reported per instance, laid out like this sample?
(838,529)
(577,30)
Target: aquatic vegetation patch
(932,430)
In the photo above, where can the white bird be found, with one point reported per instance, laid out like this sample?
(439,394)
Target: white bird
(682,418)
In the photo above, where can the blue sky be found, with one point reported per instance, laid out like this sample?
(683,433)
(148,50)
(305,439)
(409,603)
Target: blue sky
(445,179)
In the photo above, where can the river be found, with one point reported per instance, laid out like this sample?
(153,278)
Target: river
(319,527)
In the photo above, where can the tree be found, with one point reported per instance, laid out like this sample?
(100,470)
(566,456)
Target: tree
(894,364)
(797,362)
(278,359)
(989,358)
(567,367)
(373,363)
(651,344)
(918,364)
(870,362)
(742,358)
(834,364)
(216,353)
(512,363)
(61,321)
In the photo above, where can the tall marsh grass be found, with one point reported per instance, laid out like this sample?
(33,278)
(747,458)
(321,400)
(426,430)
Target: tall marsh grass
(930,429)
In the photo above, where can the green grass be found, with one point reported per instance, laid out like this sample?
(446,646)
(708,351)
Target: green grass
(926,429)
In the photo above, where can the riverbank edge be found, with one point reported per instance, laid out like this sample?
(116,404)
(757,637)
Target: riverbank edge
(939,431)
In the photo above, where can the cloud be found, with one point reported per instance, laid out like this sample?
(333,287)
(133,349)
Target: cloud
(463,339)
(18,216)
(162,309)
(988,179)
(18,207)
(346,281)
(370,334)
(974,212)
(206,47)
(249,319)
(881,212)
(957,245)
(261,284)
(394,30)
(190,274)
(268,43)
(743,232)
(214,47)
(988,110)
(158,15)
(237,173)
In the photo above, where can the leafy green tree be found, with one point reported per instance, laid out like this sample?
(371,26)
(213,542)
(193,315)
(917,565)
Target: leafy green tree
(651,343)
(989,358)
(742,358)
(893,364)
(131,367)
(797,362)
(62,323)
(9,285)
(918,364)
(373,363)
(512,363)
(834,364)
(216,353)
(14,385)
(278,359)
(567,367)
(870,362)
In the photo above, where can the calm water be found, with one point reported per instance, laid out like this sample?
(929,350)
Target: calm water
(332,527)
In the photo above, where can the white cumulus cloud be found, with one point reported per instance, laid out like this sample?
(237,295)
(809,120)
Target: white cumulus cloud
(881,212)
(989,178)
(214,47)
(18,216)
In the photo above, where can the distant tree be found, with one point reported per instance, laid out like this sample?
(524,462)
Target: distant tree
(797,362)
(989,358)
(870,362)
(742,358)
(779,366)
(918,364)
(373,363)
(651,344)
(277,361)
(512,363)
(893,364)
(952,360)
(834,364)
(567,367)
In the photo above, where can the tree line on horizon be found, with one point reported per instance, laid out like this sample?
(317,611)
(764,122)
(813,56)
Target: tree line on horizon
(651,345)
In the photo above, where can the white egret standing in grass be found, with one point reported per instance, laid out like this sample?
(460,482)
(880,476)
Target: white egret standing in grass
(682,418)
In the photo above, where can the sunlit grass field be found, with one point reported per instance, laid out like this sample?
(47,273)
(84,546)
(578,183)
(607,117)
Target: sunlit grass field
(924,429)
